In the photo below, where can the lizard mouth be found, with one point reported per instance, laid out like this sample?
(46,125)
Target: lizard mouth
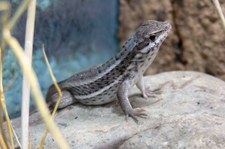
(168,27)
(163,34)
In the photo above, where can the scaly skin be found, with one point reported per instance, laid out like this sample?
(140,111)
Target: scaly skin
(112,80)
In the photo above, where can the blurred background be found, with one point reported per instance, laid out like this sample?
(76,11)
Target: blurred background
(78,34)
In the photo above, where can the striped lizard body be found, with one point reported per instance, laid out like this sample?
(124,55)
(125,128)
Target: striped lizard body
(112,80)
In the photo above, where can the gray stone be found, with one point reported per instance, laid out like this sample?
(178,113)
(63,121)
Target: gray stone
(187,113)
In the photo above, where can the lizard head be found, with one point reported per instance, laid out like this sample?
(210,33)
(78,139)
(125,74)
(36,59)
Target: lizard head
(151,33)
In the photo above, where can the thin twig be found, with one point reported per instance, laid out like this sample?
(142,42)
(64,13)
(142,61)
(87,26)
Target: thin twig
(5,7)
(4,139)
(9,125)
(4,108)
(2,142)
(22,7)
(220,12)
(35,88)
(58,90)
(26,86)
(18,51)
(17,140)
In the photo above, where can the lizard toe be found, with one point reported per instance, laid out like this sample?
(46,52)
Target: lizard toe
(152,93)
(137,112)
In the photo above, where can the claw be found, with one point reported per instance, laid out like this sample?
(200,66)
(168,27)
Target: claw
(134,118)
(137,113)
(151,93)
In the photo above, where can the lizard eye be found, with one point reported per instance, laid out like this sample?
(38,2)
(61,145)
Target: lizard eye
(152,37)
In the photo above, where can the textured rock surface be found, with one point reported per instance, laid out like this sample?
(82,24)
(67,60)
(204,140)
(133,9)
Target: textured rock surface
(188,113)
(197,41)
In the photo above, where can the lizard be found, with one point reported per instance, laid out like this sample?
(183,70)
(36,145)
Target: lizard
(112,80)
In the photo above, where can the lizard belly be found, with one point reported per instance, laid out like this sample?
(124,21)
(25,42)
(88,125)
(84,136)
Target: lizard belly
(99,98)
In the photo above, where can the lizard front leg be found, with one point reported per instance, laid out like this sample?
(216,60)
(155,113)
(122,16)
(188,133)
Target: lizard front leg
(141,86)
(122,95)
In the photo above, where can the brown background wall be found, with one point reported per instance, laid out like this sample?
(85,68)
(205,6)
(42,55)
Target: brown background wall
(197,41)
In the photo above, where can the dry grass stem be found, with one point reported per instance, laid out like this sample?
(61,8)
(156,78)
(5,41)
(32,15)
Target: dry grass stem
(4,108)
(5,8)
(28,71)
(35,88)
(22,7)
(9,125)
(26,86)
(2,142)
(58,90)
(15,135)
(220,12)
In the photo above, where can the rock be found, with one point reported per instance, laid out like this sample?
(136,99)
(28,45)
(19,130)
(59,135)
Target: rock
(197,38)
(187,112)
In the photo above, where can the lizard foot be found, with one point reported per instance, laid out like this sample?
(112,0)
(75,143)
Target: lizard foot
(151,93)
(137,112)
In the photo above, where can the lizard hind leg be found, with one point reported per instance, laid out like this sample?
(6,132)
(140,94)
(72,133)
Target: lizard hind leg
(122,95)
(146,92)
(67,99)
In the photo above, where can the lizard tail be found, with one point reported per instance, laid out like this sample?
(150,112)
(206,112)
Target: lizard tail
(52,97)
